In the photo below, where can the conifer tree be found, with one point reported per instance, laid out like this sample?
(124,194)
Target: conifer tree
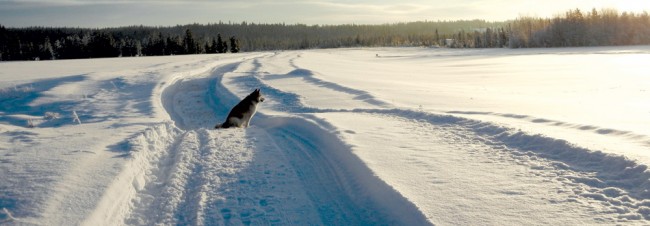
(102,44)
(234,45)
(215,46)
(3,42)
(220,44)
(189,43)
(174,45)
(46,51)
(224,46)
(437,37)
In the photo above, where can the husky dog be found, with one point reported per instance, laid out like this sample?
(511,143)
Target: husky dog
(241,114)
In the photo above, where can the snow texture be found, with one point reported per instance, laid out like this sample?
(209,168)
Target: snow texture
(414,137)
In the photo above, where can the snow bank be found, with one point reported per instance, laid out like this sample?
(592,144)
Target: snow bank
(145,150)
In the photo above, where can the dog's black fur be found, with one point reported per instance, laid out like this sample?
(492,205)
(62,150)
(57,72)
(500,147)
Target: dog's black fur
(241,114)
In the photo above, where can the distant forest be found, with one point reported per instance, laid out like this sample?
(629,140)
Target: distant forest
(604,27)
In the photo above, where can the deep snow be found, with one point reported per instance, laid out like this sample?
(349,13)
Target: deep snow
(399,136)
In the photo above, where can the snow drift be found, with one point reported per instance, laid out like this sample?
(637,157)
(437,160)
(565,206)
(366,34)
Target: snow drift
(414,137)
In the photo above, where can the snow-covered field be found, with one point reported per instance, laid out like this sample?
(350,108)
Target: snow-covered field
(397,136)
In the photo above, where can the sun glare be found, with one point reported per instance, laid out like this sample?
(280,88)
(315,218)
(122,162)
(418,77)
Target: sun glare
(632,6)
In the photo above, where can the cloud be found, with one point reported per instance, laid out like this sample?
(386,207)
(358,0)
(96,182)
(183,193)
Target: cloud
(370,8)
(86,13)
(104,13)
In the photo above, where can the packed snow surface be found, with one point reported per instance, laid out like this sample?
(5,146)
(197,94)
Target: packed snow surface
(380,136)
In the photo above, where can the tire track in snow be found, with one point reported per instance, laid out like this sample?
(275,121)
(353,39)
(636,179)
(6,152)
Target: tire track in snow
(314,78)
(220,178)
(252,176)
(355,194)
(173,192)
(254,76)
(632,136)
(612,184)
(344,190)
(245,180)
(159,200)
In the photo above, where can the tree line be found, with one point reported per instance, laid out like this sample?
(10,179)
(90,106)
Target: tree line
(573,28)
(606,27)
(47,43)
(75,43)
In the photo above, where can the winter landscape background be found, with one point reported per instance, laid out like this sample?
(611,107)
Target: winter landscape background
(408,136)
(368,120)
(573,28)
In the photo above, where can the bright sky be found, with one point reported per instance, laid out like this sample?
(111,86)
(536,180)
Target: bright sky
(111,13)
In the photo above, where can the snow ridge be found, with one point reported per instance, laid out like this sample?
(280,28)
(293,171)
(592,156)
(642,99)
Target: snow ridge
(145,149)
(614,180)
(595,129)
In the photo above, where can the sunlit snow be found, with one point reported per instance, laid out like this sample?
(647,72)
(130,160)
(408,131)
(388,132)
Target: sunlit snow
(398,136)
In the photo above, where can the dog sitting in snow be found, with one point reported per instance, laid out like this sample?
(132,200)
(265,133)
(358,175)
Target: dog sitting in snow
(241,114)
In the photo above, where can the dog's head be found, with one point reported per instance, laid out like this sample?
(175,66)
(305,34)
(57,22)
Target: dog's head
(257,95)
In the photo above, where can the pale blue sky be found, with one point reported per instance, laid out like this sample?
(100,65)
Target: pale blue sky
(111,13)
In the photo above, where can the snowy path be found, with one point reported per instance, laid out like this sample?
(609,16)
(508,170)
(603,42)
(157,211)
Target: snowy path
(342,139)
(477,172)
(217,176)
(284,171)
